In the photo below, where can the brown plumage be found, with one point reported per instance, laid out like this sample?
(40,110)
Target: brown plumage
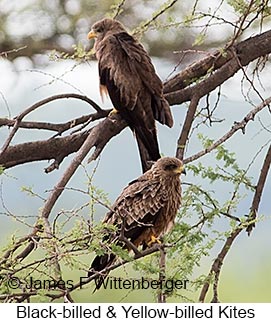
(144,211)
(128,76)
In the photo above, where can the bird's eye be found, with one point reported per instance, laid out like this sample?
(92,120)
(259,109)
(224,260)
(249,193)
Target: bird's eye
(99,30)
(170,167)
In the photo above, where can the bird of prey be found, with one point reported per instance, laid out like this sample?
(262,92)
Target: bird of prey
(128,76)
(143,213)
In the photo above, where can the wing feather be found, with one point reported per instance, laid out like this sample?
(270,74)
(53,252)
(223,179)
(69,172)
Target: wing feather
(115,73)
(135,90)
(140,64)
(139,204)
(135,74)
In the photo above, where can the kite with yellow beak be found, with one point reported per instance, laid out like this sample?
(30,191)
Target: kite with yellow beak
(92,34)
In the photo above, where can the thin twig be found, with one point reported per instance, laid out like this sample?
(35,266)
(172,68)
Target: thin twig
(60,128)
(35,106)
(237,126)
(162,275)
(143,27)
(259,190)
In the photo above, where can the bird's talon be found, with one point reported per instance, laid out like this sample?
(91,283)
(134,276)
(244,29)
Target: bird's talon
(154,240)
(114,111)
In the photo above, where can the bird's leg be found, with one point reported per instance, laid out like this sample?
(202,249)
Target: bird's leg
(153,240)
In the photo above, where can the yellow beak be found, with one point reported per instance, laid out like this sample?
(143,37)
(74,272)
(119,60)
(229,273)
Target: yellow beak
(92,34)
(180,170)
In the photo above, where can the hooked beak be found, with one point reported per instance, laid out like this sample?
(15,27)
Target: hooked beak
(180,170)
(92,34)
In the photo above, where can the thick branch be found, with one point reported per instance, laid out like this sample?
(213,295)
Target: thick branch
(59,148)
(55,148)
(224,67)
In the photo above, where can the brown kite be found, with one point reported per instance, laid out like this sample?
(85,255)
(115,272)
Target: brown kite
(144,211)
(128,76)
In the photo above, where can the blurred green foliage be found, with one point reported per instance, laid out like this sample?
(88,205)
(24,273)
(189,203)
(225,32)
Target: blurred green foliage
(32,27)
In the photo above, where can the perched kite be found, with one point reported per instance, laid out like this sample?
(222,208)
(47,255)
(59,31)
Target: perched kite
(144,211)
(128,76)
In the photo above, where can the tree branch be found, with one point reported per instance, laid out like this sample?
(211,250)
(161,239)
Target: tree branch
(259,190)
(60,128)
(217,264)
(35,106)
(216,267)
(177,90)
(54,148)
(94,138)
(237,126)
(187,126)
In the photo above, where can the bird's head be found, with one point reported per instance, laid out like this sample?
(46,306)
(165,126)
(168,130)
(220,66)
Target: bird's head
(169,166)
(105,26)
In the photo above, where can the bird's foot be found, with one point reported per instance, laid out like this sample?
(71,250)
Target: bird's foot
(153,241)
(113,112)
